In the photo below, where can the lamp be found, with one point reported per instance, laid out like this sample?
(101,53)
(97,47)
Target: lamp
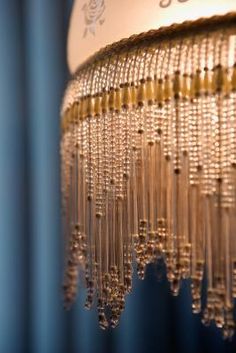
(148,154)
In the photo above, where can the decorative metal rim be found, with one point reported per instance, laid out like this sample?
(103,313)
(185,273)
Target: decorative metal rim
(146,39)
(174,31)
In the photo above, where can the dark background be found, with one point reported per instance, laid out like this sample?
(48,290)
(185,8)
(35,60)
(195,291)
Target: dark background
(33,75)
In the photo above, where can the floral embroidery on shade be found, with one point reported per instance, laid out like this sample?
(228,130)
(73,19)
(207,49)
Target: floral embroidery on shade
(93,14)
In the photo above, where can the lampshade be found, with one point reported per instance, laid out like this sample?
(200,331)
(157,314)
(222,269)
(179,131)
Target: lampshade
(148,152)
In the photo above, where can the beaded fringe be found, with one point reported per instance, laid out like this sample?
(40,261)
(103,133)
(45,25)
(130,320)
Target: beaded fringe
(148,156)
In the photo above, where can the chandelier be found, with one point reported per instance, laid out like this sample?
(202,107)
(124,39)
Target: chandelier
(148,153)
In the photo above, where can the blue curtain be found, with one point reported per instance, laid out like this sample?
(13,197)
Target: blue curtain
(33,75)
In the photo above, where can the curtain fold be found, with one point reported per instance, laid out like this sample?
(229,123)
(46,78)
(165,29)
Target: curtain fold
(45,58)
(33,75)
(13,182)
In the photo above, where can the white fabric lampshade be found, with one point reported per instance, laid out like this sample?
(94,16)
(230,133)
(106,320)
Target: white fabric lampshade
(97,23)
